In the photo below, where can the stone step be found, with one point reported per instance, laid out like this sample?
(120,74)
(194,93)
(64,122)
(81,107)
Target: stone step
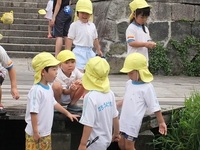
(38,1)
(24,48)
(19,9)
(34,15)
(27,40)
(24,27)
(26,4)
(22,33)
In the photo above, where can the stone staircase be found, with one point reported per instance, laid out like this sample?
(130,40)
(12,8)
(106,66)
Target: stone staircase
(28,34)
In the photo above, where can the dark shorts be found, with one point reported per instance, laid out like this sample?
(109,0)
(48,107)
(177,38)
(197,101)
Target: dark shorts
(128,137)
(62,24)
(1,80)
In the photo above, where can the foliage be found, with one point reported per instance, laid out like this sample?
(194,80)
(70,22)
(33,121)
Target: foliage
(183,49)
(184,131)
(158,60)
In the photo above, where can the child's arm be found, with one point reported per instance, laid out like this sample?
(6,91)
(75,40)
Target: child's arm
(97,47)
(13,81)
(147,44)
(116,135)
(85,136)
(65,112)
(161,123)
(119,104)
(34,121)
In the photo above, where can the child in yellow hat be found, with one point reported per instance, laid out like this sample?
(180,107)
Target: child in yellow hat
(41,103)
(67,86)
(6,64)
(100,114)
(139,95)
(83,34)
(137,34)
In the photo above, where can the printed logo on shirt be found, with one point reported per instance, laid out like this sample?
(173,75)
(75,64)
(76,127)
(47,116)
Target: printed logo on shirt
(105,105)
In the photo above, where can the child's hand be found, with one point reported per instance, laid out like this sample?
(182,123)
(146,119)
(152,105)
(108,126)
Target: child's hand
(78,82)
(36,136)
(73,117)
(150,45)
(116,138)
(73,87)
(163,128)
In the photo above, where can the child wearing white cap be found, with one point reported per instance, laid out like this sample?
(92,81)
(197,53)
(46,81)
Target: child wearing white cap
(139,95)
(83,34)
(67,86)
(100,114)
(41,103)
(137,34)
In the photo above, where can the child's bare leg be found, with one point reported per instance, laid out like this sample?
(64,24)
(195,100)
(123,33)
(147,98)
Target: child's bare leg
(57,88)
(75,96)
(49,30)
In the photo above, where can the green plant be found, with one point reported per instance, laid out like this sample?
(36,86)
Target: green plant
(190,63)
(158,61)
(183,131)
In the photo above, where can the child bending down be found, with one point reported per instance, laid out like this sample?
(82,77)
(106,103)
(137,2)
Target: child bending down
(139,96)
(67,86)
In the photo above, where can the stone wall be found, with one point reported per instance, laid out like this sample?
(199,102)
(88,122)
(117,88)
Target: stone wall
(169,19)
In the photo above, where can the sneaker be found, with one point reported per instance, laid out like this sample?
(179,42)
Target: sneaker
(74,108)
(2,111)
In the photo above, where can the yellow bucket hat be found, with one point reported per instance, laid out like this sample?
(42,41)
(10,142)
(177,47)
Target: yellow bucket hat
(137,4)
(7,17)
(137,61)
(96,75)
(65,55)
(40,61)
(84,6)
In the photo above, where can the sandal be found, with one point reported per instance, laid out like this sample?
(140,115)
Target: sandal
(2,110)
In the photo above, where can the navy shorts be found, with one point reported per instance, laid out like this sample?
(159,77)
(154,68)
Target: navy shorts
(128,137)
(1,80)
(62,24)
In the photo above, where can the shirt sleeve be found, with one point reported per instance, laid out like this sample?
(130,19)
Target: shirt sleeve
(72,31)
(115,111)
(34,99)
(130,34)
(151,99)
(5,59)
(88,115)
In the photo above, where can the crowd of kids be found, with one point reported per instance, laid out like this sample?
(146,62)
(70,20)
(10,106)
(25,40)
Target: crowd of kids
(69,75)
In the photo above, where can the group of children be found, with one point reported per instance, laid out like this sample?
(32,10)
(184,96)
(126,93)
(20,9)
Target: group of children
(63,79)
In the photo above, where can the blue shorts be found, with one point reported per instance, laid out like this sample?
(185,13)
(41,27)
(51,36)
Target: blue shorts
(83,54)
(62,24)
(128,137)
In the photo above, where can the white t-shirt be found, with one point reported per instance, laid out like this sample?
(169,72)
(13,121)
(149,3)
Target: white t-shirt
(66,82)
(41,101)
(137,99)
(83,34)
(5,60)
(49,10)
(135,32)
(99,109)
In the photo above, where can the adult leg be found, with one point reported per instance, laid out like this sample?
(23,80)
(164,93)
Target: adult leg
(59,44)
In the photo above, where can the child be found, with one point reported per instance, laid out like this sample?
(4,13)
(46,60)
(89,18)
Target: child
(41,103)
(137,34)
(99,107)
(7,64)
(139,95)
(83,34)
(49,14)
(67,86)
